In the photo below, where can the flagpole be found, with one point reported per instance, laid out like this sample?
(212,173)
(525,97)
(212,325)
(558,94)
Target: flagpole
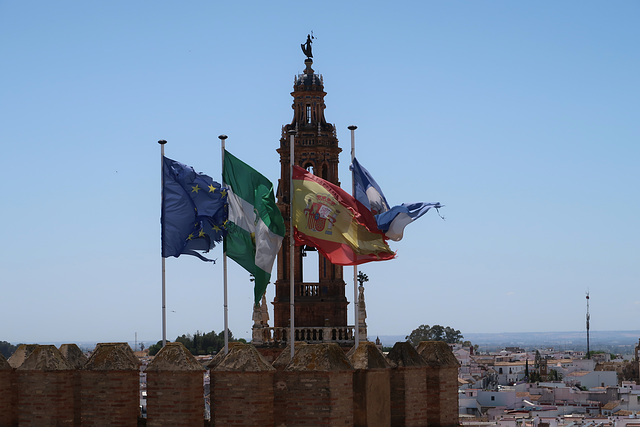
(164,294)
(291,245)
(356,303)
(224,265)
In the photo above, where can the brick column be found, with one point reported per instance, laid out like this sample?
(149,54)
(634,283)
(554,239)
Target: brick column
(175,388)
(408,386)
(8,394)
(316,388)
(242,389)
(371,386)
(110,383)
(442,383)
(76,359)
(45,389)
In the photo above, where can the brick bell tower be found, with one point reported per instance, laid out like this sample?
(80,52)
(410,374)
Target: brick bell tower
(322,303)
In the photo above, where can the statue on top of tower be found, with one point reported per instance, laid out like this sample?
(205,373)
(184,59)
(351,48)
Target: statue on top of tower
(306,47)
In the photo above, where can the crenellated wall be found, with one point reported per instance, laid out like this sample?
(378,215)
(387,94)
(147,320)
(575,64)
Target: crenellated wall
(320,385)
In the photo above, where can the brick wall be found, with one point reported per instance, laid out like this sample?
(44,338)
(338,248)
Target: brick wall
(45,389)
(408,386)
(442,396)
(242,398)
(242,389)
(442,383)
(175,391)
(318,386)
(8,394)
(109,383)
(371,386)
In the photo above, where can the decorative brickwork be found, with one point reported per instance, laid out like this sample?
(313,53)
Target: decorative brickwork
(442,383)
(175,391)
(408,386)
(109,386)
(242,389)
(45,389)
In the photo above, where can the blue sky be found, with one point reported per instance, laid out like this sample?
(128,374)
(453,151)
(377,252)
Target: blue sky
(520,117)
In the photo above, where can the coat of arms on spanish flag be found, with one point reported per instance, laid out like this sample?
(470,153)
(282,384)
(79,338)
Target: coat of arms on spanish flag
(335,223)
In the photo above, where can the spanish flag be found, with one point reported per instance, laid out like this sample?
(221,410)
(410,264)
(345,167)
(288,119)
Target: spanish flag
(335,223)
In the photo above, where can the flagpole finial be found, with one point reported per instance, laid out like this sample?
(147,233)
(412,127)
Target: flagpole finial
(223,137)
(352,127)
(162,142)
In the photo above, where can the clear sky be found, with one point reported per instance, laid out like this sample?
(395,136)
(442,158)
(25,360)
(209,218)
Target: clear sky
(521,117)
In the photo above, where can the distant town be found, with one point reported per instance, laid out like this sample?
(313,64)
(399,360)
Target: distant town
(548,387)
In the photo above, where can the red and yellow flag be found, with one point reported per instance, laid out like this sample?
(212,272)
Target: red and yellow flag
(335,223)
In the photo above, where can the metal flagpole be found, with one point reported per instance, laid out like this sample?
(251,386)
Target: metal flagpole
(356,304)
(291,245)
(224,267)
(164,294)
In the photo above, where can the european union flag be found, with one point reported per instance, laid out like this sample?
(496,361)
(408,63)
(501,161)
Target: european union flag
(194,211)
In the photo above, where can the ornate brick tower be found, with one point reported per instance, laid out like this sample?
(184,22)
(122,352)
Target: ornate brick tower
(319,304)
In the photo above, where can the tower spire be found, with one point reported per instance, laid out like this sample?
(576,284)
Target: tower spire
(319,287)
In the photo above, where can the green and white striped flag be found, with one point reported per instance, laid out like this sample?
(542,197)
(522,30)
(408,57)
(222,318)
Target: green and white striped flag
(255,229)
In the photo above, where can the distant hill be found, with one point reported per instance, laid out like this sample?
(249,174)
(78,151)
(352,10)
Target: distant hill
(622,342)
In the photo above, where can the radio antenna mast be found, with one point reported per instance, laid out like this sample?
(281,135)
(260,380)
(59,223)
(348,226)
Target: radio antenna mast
(588,318)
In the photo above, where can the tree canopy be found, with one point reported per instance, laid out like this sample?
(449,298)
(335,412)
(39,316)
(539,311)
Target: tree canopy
(198,343)
(434,333)
(7,349)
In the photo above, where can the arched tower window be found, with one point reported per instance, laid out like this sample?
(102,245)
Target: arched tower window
(308,113)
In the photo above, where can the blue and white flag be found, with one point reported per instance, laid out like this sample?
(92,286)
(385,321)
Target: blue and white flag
(391,221)
(368,191)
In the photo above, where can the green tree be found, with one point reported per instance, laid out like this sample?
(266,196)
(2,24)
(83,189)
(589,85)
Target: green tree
(630,371)
(554,375)
(198,343)
(7,349)
(434,333)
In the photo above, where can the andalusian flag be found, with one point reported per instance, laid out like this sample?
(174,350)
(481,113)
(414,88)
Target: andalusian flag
(255,229)
(340,227)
